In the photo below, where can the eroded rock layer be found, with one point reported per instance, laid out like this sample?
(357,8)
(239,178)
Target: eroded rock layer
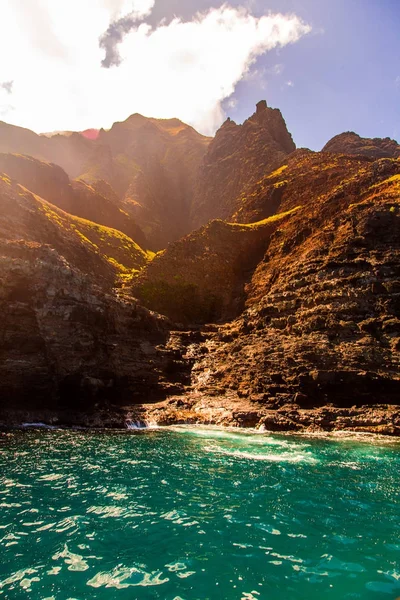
(322,323)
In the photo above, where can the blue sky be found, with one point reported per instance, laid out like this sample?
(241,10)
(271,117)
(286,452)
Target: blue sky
(345,74)
(333,65)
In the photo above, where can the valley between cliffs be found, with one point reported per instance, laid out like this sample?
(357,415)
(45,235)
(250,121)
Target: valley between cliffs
(152,275)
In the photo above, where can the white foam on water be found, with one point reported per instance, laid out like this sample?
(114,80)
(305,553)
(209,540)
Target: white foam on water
(51,477)
(291,457)
(347,436)
(141,425)
(241,436)
(253,595)
(117,578)
(177,566)
(74,561)
(391,574)
(17,577)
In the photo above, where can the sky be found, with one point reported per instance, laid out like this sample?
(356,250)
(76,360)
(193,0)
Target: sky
(328,65)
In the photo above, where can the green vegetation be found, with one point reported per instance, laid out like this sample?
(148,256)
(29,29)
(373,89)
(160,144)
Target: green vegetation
(393,179)
(268,220)
(115,247)
(277,172)
(181,301)
(280,184)
(5,178)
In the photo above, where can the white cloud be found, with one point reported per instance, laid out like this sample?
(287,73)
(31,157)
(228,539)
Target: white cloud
(182,69)
(120,8)
(231,103)
(290,83)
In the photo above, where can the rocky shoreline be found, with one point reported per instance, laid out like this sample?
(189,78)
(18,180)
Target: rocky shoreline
(378,419)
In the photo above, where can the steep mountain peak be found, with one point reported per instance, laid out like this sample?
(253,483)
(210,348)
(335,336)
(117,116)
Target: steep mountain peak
(271,121)
(137,121)
(229,123)
(239,156)
(261,107)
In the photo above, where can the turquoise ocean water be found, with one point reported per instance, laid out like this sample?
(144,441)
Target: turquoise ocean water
(198,514)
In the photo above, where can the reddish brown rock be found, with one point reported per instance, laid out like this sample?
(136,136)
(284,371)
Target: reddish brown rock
(152,165)
(351,143)
(321,324)
(238,157)
(100,251)
(307,280)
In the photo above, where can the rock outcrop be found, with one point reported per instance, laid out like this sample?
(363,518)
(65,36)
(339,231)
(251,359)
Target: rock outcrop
(351,143)
(321,324)
(70,150)
(153,165)
(201,278)
(103,252)
(238,157)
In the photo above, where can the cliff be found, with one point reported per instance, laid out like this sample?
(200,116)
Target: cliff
(201,278)
(321,323)
(87,246)
(67,343)
(239,156)
(318,346)
(283,313)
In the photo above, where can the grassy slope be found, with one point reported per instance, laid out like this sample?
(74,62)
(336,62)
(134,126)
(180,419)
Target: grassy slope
(113,246)
(116,247)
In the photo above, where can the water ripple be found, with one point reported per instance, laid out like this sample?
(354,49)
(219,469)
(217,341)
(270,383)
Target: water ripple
(189,514)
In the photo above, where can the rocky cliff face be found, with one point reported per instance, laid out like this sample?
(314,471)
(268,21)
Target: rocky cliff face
(351,143)
(201,278)
(238,157)
(322,320)
(65,342)
(285,314)
(70,151)
(319,344)
(167,177)
(154,164)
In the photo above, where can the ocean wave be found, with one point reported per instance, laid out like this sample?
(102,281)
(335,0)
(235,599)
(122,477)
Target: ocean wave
(248,436)
(292,457)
